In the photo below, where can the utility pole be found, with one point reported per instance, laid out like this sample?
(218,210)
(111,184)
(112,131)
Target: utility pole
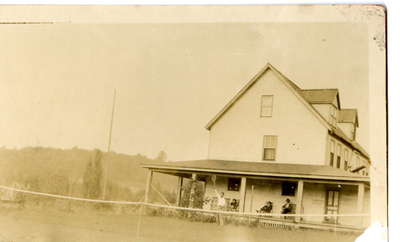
(109,146)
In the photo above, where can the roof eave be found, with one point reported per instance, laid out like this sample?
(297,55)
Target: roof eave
(348,141)
(303,176)
(237,96)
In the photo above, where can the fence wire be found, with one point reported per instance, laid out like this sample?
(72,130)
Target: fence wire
(177,207)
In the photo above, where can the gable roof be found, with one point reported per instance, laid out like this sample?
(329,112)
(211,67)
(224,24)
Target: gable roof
(321,96)
(307,96)
(348,116)
(259,169)
(296,90)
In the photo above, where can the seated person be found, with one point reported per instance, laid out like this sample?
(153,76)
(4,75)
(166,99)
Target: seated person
(267,208)
(207,203)
(287,207)
(234,205)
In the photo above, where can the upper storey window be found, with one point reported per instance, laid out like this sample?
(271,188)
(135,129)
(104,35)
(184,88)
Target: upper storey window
(269,148)
(346,159)
(332,153)
(338,155)
(266,105)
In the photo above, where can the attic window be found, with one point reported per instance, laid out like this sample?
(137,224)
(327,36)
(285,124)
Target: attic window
(266,105)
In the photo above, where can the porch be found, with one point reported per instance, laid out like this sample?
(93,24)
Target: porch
(325,196)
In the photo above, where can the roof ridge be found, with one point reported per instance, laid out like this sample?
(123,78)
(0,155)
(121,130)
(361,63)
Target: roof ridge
(284,76)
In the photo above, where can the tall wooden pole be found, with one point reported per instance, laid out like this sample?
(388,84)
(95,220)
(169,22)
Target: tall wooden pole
(148,186)
(109,146)
(251,198)
(146,200)
(179,191)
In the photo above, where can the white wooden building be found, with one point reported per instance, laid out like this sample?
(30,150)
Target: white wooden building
(275,141)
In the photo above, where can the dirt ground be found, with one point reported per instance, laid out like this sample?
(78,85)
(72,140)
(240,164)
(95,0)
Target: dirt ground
(52,225)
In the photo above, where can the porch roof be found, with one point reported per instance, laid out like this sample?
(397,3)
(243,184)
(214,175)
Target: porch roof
(258,169)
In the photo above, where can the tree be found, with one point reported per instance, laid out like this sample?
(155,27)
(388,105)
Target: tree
(193,194)
(93,176)
(162,156)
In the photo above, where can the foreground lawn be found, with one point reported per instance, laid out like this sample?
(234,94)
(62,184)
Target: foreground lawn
(50,225)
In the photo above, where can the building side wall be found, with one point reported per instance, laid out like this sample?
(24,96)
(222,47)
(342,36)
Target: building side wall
(354,157)
(238,134)
(348,205)
(314,199)
(367,207)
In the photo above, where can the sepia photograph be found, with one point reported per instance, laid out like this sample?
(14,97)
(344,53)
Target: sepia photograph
(193,123)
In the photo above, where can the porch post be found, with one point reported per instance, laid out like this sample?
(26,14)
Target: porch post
(242,194)
(148,185)
(360,197)
(179,191)
(299,199)
(251,198)
(192,190)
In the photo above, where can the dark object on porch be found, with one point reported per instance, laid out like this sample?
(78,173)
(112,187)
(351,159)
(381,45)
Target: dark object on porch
(234,205)
(288,208)
(234,184)
(289,188)
(292,211)
(267,208)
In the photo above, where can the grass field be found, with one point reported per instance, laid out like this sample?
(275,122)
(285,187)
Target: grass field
(51,225)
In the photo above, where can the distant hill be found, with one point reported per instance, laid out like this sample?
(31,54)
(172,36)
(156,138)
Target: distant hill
(51,170)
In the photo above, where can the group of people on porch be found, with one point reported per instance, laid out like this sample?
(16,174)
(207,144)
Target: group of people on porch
(222,204)
(287,207)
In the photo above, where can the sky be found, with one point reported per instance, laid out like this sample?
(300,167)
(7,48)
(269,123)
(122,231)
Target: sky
(57,80)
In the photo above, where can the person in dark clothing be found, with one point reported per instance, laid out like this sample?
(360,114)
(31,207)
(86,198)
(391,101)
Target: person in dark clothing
(234,205)
(287,208)
(267,208)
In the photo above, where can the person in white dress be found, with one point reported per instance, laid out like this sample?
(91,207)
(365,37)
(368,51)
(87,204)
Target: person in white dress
(221,203)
